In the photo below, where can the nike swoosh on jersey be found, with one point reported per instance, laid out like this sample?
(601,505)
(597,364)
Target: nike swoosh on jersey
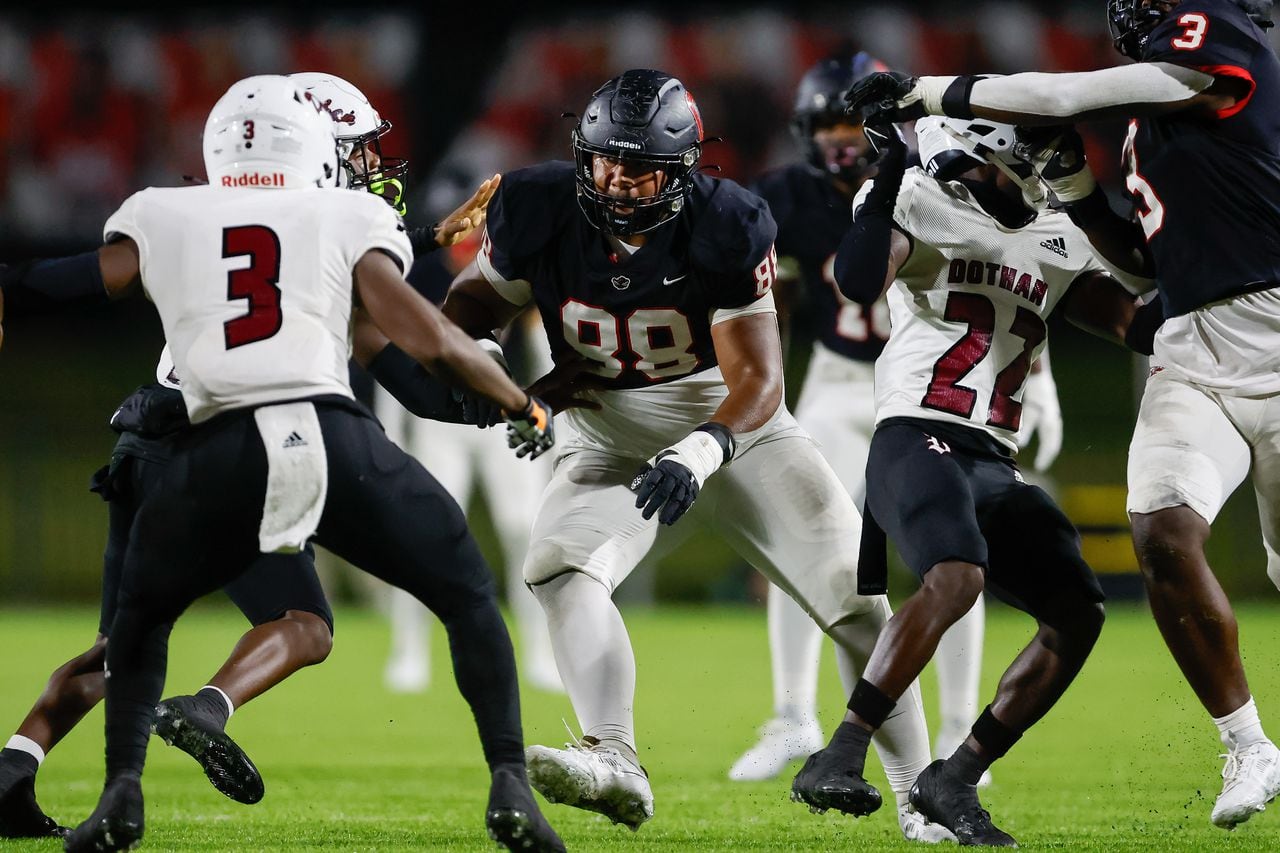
(666,280)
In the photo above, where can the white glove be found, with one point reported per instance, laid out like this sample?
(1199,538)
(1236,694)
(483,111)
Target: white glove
(1041,414)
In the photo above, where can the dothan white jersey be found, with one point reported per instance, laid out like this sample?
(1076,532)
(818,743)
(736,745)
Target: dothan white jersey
(968,308)
(253,286)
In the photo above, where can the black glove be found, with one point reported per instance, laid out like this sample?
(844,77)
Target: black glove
(668,485)
(878,98)
(477,411)
(532,433)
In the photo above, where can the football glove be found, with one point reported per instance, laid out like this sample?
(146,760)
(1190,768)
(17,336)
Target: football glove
(886,97)
(392,192)
(1041,415)
(1057,154)
(532,432)
(670,481)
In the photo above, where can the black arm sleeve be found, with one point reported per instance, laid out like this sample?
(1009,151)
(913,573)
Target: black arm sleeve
(423,240)
(42,286)
(862,260)
(1141,334)
(417,390)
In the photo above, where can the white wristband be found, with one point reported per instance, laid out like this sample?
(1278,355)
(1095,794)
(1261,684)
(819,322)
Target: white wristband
(1075,187)
(698,451)
(929,91)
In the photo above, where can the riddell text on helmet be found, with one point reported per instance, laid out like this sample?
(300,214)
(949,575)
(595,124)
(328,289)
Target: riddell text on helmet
(256,179)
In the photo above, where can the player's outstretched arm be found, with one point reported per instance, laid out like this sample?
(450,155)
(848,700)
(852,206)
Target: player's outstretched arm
(874,249)
(1037,98)
(89,279)
(422,331)
(475,305)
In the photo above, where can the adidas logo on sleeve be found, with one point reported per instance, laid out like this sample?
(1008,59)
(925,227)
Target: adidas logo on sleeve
(294,440)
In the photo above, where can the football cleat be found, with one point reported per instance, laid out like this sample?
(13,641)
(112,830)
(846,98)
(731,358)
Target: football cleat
(1250,780)
(823,785)
(513,818)
(917,827)
(944,799)
(116,824)
(781,742)
(948,741)
(181,722)
(589,775)
(20,814)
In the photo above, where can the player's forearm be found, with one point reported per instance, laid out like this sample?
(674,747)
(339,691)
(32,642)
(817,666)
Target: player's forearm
(755,394)
(1118,242)
(1037,98)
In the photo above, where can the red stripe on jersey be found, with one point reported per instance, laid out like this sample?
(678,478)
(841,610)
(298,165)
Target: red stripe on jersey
(1238,73)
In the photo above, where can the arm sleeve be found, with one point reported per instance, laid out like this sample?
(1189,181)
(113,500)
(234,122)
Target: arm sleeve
(1067,95)
(862,259)
(413,387)
(41,286)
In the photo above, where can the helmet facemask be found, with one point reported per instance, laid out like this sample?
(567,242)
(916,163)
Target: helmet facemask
(626,217)
(361,170)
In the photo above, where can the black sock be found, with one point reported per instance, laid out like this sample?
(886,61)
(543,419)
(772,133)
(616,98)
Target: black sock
(15,765)
(849,746)
(967,765)
(213,703)
(484,666)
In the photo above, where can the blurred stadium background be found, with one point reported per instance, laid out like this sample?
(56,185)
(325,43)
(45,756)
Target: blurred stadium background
(94,105)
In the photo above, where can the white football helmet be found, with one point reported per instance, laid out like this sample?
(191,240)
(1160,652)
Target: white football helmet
(357,126)
(949,147)
(264,133)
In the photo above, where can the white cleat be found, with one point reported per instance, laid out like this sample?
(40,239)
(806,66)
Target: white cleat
(407,674)
(781,742)
(917,827)
(948,742)
(589,775)
(1250,780)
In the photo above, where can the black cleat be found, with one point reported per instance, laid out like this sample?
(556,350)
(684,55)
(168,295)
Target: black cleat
(944,799)
(116,824)
(20,814)
(513,818)
(826,785)
(181,722)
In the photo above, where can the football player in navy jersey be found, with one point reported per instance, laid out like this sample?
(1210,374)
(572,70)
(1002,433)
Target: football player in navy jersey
(1203,158)
(811,203)
(654,282)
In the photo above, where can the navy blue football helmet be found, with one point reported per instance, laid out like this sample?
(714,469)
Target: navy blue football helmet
(647,118)
(820,100)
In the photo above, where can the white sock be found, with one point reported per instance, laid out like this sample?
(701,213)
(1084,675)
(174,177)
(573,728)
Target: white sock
(593,654)
(959,664)
(1240,728)
(27,745)
(795,648)
(410,638)
(231,708)
(903,741)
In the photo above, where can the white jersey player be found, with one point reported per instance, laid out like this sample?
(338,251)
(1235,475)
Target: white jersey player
(253,276)
(973,268)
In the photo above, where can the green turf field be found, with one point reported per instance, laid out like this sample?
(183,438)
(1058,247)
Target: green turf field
(1127,761)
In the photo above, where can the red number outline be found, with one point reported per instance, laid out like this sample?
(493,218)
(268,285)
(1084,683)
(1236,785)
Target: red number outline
(1004,411)
(257,283)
